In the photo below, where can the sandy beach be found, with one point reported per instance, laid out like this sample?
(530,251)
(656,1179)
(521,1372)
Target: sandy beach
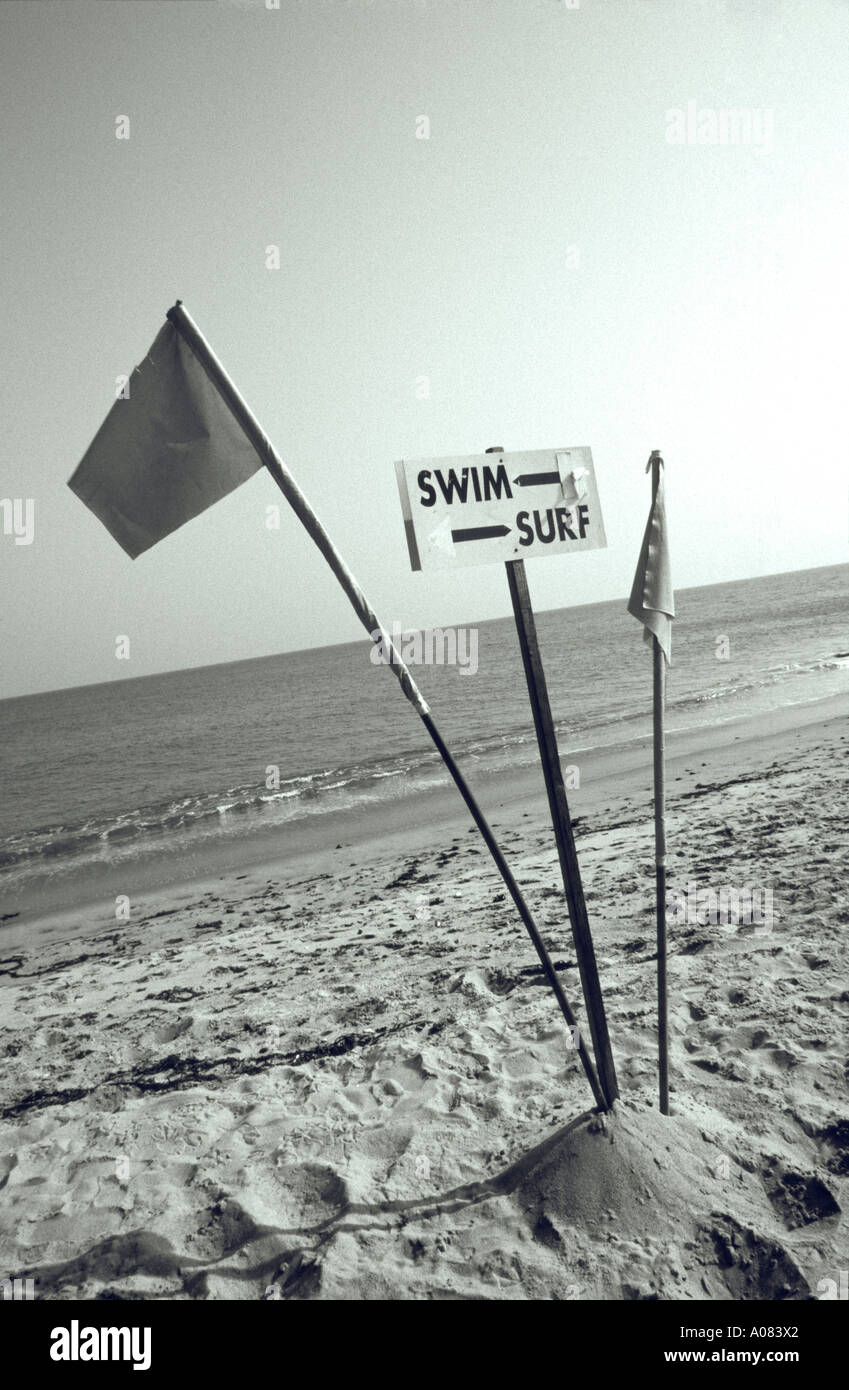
(338,1073)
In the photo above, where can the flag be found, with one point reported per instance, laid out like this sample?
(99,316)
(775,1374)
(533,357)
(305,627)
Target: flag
(652,601)
(166,452)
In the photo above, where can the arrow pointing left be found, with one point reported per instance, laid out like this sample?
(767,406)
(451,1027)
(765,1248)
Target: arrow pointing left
(536,479)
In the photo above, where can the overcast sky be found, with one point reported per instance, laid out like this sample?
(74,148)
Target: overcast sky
(559,269)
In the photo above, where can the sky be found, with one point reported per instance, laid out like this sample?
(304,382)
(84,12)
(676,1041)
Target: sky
(554,257)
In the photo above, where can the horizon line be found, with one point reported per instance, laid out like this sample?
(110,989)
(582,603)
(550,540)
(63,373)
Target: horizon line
(348,642)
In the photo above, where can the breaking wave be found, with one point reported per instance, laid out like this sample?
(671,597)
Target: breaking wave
(241,810)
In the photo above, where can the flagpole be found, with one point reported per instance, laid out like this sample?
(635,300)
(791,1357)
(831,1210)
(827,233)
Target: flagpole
(517,582)
(185,325)
(561,821)
(659,702)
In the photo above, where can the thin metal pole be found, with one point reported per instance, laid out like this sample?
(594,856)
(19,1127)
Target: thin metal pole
(561,820)
(658,703)
(185,325)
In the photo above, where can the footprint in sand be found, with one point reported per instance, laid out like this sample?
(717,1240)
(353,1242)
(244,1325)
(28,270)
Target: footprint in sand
(169,1031)
(311,1194)
(799,1198)
(7,1163)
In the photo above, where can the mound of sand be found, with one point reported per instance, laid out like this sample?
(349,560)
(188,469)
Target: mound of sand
(656,1190)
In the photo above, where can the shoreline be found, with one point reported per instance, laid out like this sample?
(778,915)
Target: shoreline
(415,824)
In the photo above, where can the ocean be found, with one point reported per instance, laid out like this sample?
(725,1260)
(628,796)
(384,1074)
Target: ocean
(109,775)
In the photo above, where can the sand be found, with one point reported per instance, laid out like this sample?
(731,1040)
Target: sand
(341,1075)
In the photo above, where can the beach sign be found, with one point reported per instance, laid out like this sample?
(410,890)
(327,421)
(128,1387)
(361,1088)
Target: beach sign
(486,508)
(509,507)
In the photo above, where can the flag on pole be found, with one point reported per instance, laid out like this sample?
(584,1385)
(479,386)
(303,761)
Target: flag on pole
(166,452)
(652,601)
(183,439)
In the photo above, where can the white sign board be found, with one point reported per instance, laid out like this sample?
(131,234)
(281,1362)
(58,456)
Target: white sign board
(494,507)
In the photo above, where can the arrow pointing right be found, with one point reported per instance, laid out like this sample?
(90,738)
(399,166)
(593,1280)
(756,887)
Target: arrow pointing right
(480,533)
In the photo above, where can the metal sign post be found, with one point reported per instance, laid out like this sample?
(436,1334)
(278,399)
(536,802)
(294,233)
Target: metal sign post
(473,511)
